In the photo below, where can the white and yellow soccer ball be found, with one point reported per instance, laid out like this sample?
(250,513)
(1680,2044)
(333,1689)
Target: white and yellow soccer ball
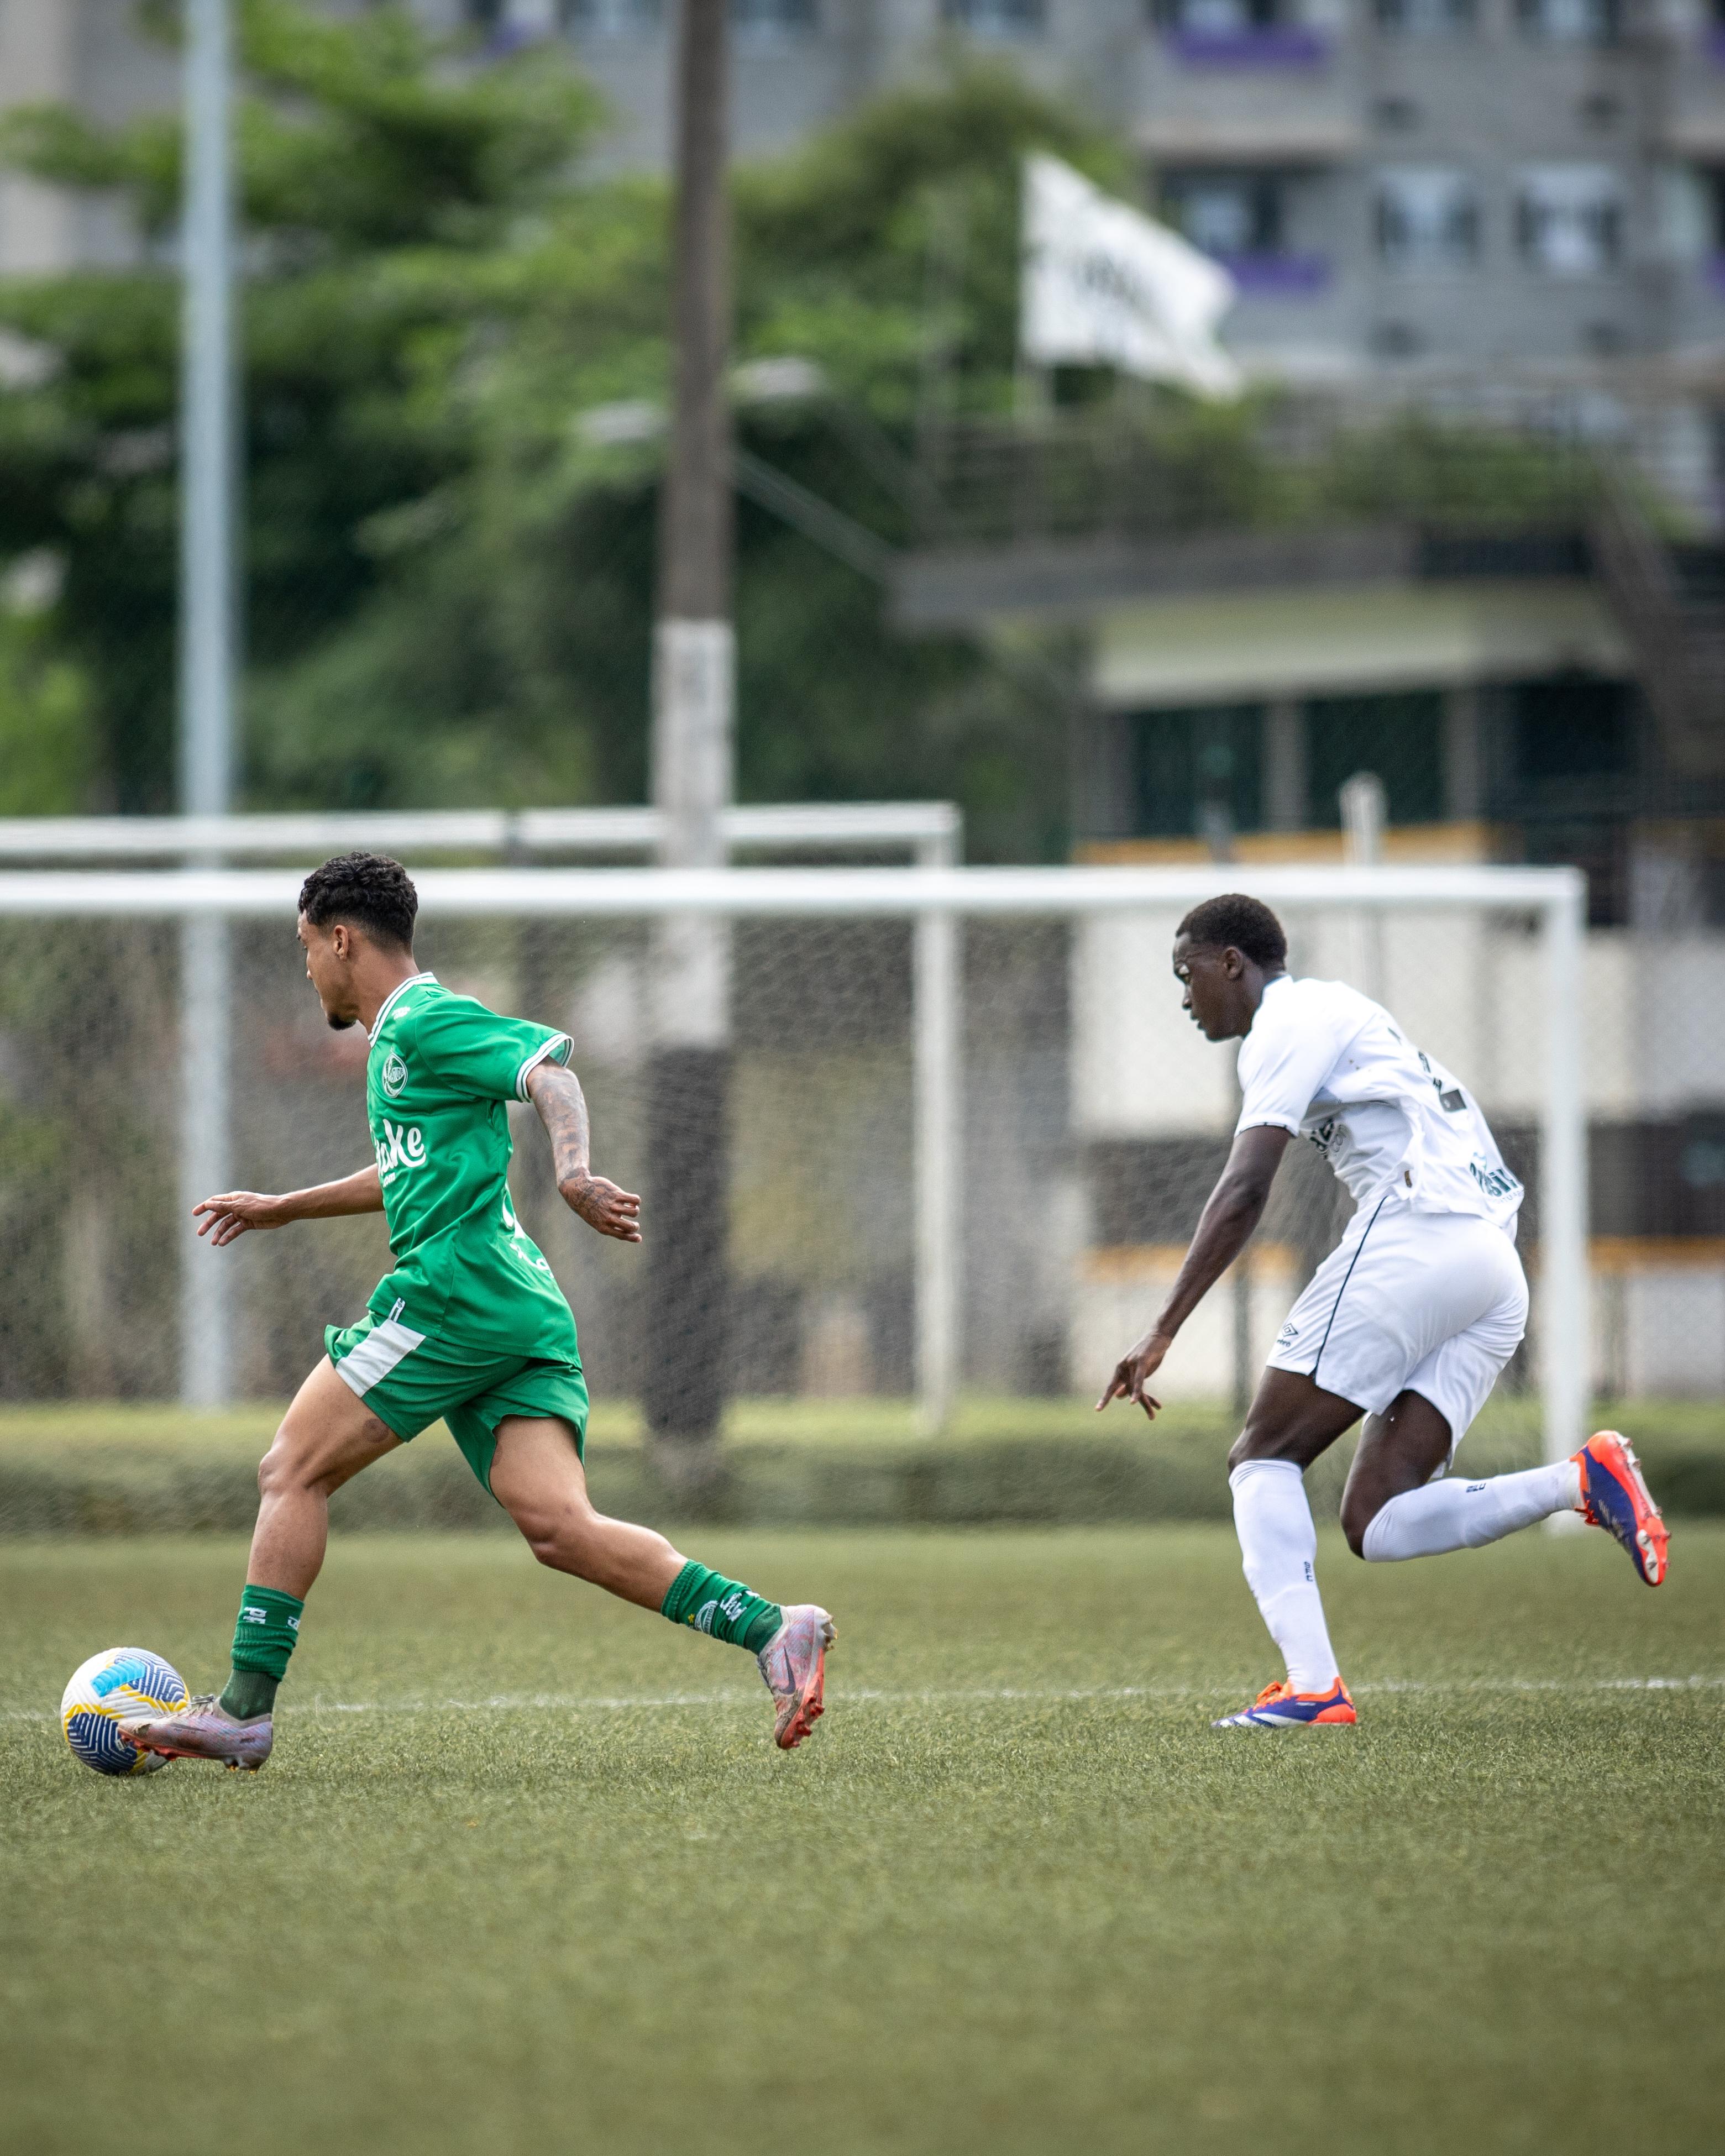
(119,1680)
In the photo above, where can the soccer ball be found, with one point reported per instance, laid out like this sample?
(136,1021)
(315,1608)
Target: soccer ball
(119,1680)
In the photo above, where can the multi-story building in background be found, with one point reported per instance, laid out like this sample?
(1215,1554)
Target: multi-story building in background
(1396,184)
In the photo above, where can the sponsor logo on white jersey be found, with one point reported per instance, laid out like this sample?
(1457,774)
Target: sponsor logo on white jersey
(401,1146)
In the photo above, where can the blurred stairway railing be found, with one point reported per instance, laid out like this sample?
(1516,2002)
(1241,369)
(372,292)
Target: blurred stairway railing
(1667,604)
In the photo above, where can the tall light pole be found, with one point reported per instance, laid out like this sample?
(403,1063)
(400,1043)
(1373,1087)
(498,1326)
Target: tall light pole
(694,689)
(207,529)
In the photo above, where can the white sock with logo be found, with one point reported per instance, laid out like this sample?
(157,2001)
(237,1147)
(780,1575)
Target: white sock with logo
(1453,1514)
(1278,1547)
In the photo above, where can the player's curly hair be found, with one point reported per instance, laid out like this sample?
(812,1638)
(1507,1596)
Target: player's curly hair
(1236,922)
(367,890)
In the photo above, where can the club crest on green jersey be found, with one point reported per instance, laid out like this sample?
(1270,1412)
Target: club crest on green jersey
(393,1075)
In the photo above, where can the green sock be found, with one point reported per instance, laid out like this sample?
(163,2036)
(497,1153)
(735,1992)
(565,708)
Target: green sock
(265,1633)
(725,1608)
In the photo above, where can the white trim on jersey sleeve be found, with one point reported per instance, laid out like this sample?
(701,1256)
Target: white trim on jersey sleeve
(559,1045)
(1293,1045)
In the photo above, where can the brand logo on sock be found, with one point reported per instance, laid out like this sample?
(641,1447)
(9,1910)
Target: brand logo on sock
(1473,1488)
(702,1620)
(254,1615)
(293,1623)
(1311,1577)
(731,1606)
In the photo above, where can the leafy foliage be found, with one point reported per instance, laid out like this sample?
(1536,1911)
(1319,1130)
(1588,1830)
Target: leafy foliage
(448,579)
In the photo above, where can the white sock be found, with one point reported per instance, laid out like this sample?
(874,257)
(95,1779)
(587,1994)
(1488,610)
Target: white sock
(1453,1514)
(1278,1546)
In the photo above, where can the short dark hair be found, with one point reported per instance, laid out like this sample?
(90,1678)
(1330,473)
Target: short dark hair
(368,892)
(1236,922)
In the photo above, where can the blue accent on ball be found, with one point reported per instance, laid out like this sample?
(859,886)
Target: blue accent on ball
(96,1739)
(137,1671)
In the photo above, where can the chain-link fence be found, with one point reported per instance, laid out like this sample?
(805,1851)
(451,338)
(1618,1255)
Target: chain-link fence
(1013,1161)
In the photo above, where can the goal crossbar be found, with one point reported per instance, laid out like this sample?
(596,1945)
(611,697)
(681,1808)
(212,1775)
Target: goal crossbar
(929,829)
(836,894)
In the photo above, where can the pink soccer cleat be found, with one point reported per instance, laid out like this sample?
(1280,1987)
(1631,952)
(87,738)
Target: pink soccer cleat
(794,1662)
(202,1730)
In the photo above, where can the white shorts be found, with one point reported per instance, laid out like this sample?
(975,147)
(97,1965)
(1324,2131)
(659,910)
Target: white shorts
(1434,1303)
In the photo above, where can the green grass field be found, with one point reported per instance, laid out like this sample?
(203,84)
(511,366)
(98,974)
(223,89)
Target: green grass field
(525,1873)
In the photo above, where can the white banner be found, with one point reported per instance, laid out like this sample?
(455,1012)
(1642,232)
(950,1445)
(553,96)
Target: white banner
(1104,284)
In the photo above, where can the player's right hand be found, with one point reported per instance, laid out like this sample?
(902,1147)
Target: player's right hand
(233,1213)
(1133,1370)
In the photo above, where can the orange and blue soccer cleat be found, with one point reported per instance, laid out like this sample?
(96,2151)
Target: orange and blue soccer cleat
(1615,1497)
(1279,1706)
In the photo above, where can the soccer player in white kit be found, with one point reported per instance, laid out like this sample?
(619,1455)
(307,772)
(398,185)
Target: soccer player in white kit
(1407,1322)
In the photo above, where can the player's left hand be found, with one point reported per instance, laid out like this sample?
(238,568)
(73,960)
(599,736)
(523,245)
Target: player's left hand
(1133,1370)
(607,1209)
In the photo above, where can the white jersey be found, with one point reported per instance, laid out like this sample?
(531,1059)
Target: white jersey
(1328,1063)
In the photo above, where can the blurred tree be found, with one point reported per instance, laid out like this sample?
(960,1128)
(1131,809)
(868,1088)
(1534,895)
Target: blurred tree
(453,346)
(44,723)
(448,581)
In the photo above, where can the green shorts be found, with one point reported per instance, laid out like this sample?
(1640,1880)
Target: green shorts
(409,1380)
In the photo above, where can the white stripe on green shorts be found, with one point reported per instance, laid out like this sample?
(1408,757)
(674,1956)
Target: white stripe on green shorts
(377,1354)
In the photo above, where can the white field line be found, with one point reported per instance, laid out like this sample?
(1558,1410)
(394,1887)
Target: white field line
(626,1702)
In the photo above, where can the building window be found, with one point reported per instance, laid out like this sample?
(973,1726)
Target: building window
(1426,18)
(1400,737)
(1219,17)
(1197,773)
(1239,219)
(997,19)
(1572,21)
(765,20)
(613,18)
(1238,33)
(1428,218)
(1569,220)
(1226,213)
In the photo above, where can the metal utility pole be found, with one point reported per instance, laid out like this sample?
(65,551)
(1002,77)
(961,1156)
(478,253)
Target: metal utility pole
(694,689)
(207,459)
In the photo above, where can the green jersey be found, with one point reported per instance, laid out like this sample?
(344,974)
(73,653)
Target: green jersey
(441,1069)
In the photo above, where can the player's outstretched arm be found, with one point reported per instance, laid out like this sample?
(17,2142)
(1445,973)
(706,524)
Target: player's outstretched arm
(1232,1209)
(607,1209)
(231,1214)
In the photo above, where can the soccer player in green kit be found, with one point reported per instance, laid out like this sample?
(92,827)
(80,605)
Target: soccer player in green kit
(470,1326)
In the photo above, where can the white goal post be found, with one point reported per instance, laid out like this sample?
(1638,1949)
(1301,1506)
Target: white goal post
(1546,905)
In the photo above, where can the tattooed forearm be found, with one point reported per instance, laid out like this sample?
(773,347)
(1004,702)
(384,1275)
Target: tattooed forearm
(557,1094)
(607,1209)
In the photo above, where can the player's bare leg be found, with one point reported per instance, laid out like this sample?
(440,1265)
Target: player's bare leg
(326,1438)
(538,1477)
